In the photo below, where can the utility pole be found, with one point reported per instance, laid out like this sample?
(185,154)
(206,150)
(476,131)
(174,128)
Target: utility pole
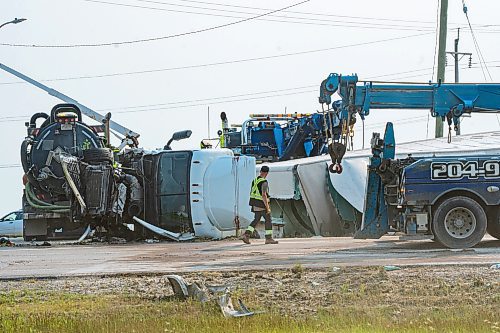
(457,56)
(443,25)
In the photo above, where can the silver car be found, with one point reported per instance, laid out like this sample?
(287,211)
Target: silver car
(12,224)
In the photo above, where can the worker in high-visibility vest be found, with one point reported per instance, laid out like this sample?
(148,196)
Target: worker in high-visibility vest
(259,200)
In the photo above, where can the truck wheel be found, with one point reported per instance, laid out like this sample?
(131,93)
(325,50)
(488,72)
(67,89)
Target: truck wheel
(98,155)
(459,222)
(493,227)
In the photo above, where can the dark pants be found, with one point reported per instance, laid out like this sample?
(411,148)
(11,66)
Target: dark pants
(258,216)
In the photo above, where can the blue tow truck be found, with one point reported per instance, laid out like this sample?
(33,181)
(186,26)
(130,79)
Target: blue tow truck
(453,200)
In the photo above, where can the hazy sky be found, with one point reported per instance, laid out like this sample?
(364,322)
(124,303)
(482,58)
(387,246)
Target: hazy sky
(166,96)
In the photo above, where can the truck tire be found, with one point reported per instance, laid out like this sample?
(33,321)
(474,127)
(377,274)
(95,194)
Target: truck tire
(493,227)
(98,155)
(459,222)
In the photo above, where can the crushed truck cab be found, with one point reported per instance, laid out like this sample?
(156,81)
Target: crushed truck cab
(73,181)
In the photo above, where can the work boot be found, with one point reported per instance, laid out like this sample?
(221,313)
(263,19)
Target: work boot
(246,237)
(270,240)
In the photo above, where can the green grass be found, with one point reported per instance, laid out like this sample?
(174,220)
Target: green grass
(38,311)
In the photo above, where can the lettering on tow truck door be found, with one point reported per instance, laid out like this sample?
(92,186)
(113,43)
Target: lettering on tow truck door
(458,170)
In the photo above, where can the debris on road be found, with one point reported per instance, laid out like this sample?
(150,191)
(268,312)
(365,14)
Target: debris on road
(336,269)
(222,295)
(228,310)
(179,286)
(85,234)
(117,240)
(5,242)
(177,236)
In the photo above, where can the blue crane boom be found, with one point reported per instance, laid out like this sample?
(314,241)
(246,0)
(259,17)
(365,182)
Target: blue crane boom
(446,100)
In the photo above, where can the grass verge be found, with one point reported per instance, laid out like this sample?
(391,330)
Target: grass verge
(27,311)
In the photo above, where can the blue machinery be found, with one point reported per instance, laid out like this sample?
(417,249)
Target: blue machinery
(385,205)
(279,137)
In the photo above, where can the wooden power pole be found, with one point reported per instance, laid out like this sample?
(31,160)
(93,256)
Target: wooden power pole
(457,56)
(443,25)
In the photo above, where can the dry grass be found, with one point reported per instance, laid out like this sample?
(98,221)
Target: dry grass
(437,299)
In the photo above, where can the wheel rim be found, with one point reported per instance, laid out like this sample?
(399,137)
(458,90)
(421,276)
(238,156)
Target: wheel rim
(460,222)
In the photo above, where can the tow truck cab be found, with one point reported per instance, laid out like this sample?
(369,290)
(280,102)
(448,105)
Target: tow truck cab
(456,199)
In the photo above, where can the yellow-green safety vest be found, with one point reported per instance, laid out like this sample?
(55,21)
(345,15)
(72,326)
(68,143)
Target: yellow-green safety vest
(255,193)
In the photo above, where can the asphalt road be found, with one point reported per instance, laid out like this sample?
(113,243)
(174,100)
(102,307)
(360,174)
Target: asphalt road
(168,257)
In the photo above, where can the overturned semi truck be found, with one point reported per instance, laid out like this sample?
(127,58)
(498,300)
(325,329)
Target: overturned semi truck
(74,182)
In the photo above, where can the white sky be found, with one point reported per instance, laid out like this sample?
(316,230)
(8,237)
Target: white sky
(341,23)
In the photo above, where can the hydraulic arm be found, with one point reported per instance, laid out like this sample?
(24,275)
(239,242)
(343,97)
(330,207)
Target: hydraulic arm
(448,101)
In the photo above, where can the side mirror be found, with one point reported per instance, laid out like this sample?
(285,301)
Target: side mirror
(181,135)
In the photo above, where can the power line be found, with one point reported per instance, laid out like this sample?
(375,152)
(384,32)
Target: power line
(9,166)
(284,18)
(194,103)
(206,65)
(302,12)
(400,122)
(161,37)
(430,73)
(213,98)
(435,40)
(217,100)
(476,44)
(297,12)
(223,62)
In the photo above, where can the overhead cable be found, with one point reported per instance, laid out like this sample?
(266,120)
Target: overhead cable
(280,18)
(144,40)
(476,44)
(183,104)
(223,62)
(293,12)
(336,16)
(435,40)
(9,166)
